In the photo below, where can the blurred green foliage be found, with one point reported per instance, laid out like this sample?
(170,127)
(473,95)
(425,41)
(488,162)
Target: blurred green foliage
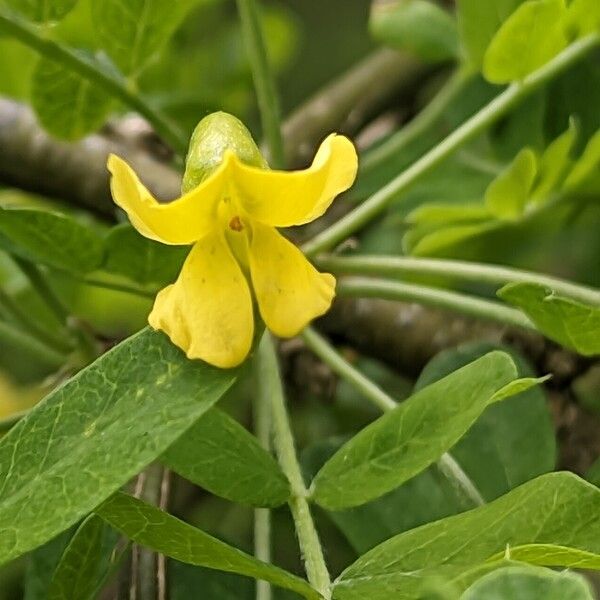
(201,67)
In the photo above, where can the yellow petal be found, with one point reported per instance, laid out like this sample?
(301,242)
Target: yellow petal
(282,199)
(207,312)
(182,221)
(289,290)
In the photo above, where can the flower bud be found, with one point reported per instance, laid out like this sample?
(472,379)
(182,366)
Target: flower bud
(213,136)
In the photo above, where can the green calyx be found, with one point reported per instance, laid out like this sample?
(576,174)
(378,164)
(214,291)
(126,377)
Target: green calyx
(213,136)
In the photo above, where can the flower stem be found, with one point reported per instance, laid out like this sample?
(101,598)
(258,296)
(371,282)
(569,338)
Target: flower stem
(447,465)
(476,125)
(93,72)
(264,82)
(394,266)
(312,552)
(364,287)
(418,126)
(262,516)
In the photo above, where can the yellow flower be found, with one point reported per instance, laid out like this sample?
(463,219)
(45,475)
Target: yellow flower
(229,215)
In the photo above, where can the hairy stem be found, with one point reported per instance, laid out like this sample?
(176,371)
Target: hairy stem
(476,125)
(312,552)
(365,287)
(447,465)
(264,82)
(94,73)
(394,266)
(262,516)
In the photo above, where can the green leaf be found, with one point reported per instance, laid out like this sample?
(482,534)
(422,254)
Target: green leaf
(513,441)
(552,555)
(555,163)
(51,239)
(584,176)
(519,386)
(412,436)
(417,26)
(569,322)
(558,508)
(186,580)
(68,106)
(142,260)
(526,583)
(84,563)
(160,531)
(478,23)
(448,213)
(532,36)
(583,17)
(41,564)
(42,11)
(507,196)
(426,243)
(133,32)
(218,454)
(94,433)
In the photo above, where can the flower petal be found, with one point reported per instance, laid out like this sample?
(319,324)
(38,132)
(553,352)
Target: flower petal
(282,199)
(207,312)
(182,221)
(289,290)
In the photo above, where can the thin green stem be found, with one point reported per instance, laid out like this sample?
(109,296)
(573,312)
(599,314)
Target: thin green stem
(264,82)
(118,287)
(418,126)
(329,355)
(17,314)
(93,72)
(395,266)
(476,125)
(344,369)
(363,287)
(454,473)
(45,292)
(85,341)
(262,516)
(479,163)
(14,336)
(312,552)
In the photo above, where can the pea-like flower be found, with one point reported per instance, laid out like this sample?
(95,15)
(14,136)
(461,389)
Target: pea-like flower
(230,208)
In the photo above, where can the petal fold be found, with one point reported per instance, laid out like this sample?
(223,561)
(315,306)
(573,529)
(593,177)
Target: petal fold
(182,221)
(289,290)
(286,198)
(207,312)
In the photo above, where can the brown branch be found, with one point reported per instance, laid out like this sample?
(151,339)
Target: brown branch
(349,101)
(32,160)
